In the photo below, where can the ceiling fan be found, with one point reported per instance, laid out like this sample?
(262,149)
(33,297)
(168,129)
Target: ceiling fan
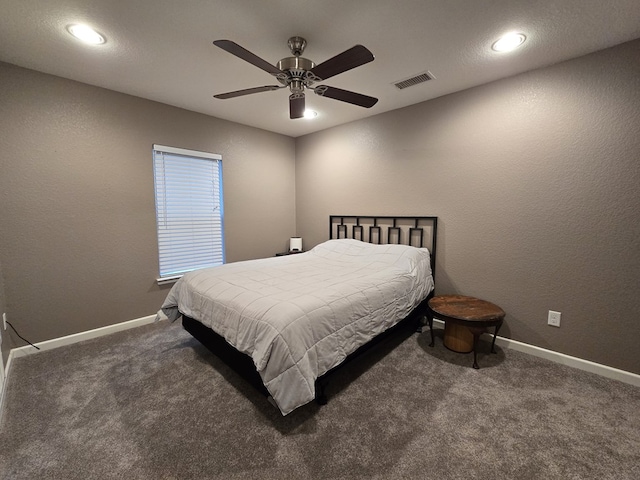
(299,73)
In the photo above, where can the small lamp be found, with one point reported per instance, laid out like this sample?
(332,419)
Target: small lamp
(295,244)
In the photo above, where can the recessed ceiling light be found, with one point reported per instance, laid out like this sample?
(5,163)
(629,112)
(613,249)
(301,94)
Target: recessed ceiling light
(310,114)
(86,34)
(509,41)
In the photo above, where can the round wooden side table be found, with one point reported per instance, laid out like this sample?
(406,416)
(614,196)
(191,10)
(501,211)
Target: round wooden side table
(466,318)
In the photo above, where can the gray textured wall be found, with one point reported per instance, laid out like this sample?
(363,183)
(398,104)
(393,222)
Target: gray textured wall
(535,180)
(78,242)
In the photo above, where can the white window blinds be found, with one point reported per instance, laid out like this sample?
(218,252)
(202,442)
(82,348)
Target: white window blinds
(189,210)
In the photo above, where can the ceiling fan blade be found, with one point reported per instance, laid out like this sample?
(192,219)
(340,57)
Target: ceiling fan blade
(247,91)
(351,58)
(296,105)
(240,52)
(346,96)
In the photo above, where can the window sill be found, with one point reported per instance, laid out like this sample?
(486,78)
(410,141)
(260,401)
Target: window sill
(168,280)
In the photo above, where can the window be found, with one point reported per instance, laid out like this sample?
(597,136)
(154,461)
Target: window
(189,210)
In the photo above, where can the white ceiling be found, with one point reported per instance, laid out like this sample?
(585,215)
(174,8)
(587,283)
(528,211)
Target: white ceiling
(162,49)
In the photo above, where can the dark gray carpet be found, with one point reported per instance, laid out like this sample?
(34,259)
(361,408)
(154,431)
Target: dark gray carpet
(151,403)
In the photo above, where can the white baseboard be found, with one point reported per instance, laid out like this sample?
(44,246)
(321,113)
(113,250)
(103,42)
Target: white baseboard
(3,383)
(575,362)
(77,337)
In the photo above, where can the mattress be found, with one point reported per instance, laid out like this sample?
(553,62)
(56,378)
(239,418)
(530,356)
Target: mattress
(298,316)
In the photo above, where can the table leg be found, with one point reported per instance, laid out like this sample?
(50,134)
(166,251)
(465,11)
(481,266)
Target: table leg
(495,334)
(430,322)
(476,336)
(475,351)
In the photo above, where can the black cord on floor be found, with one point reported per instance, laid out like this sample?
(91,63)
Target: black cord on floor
(14,329)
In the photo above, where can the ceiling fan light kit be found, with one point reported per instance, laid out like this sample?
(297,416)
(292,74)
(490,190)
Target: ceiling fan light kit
(299,74)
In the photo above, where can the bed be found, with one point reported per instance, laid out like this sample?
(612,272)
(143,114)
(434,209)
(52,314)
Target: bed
(286,323)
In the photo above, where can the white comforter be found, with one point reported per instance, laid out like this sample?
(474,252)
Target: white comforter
(300,315)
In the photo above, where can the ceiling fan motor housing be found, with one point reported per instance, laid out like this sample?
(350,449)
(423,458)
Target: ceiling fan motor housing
(296,67)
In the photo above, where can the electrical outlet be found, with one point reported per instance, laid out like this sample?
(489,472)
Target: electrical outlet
(4,321)
(554,318)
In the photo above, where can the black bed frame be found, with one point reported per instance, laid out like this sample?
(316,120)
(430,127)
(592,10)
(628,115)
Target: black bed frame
(404,230)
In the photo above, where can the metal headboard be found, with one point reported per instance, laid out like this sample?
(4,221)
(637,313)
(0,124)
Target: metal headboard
(385,229)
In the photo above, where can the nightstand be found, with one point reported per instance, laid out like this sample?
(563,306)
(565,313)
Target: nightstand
(281,254)
(466,318)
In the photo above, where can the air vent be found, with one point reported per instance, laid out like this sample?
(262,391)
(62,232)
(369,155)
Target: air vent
(415,80)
